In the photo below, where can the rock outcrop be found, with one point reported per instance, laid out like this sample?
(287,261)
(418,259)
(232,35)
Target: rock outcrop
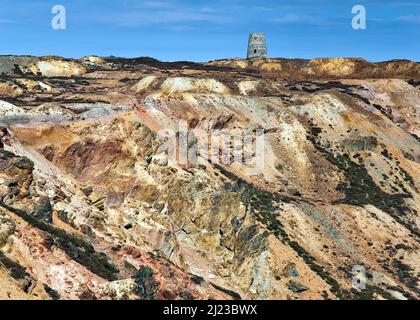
(92,208)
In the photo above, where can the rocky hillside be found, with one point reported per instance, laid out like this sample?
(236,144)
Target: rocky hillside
(91,208)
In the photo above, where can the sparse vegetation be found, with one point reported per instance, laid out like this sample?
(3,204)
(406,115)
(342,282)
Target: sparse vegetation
(75,247)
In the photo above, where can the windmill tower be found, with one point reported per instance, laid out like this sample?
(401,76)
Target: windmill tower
(257,45)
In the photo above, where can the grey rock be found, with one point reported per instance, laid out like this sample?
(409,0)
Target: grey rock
(10,182)
(41,182)
(44,210)
(290,270)
(25,164)
(297,287)
(87,191)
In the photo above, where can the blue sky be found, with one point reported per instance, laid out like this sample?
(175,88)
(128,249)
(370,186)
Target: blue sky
(199,30)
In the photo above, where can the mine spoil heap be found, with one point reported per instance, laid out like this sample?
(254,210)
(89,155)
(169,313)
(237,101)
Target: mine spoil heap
(91,209)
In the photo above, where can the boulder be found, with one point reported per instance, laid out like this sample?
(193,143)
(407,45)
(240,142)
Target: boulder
(44,210)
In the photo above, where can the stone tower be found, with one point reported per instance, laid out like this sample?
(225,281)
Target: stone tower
(257,46)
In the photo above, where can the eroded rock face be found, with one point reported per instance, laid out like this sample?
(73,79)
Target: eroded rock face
(57,68)
(65,263)
(92,209)
(7,228)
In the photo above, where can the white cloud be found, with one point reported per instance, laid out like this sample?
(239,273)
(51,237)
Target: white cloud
(156,4)
(405,4)
(409,18)
(207,9)
(140,18)
(6,21)
(292,18)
